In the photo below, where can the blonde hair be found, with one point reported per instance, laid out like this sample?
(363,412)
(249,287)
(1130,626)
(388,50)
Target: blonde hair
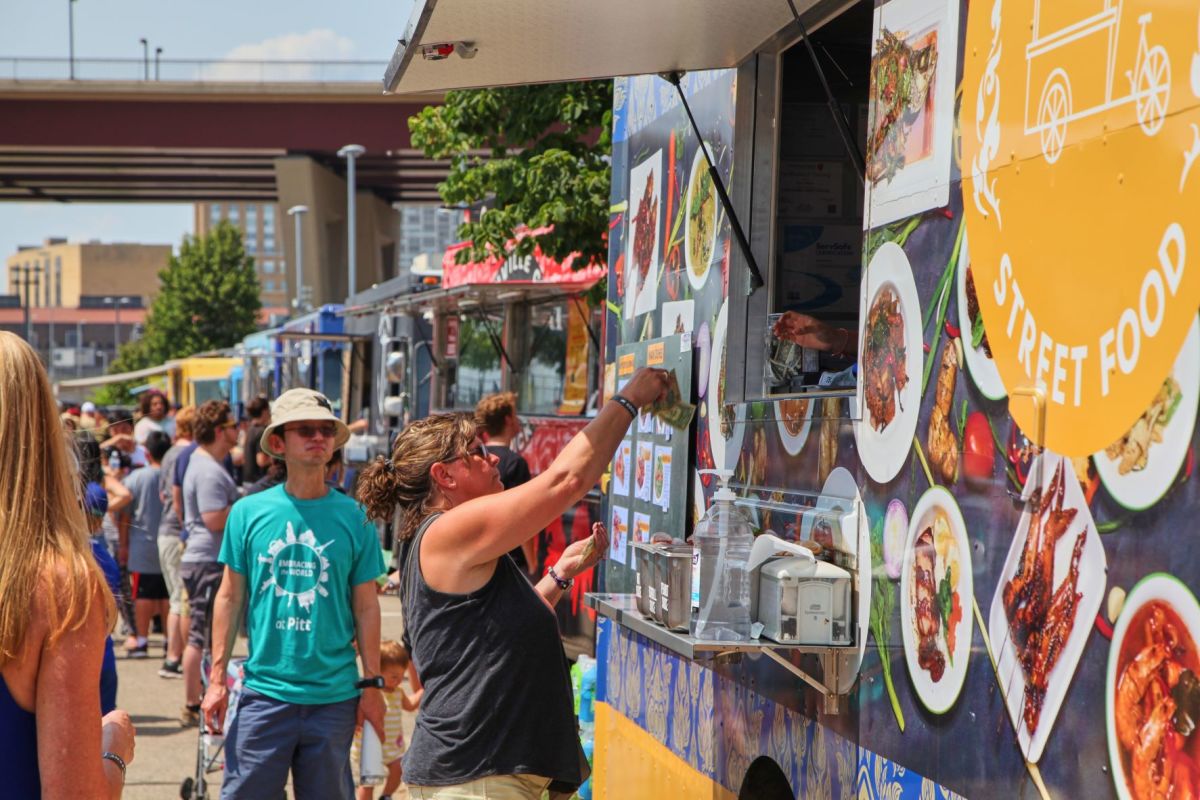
(43,530)
(392,654)
(184,418)
(402,482)
(493,411)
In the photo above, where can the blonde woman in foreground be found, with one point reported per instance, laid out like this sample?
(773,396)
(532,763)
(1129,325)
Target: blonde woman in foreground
(55,610)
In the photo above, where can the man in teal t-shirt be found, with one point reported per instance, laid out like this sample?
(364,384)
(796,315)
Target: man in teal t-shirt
(305,560)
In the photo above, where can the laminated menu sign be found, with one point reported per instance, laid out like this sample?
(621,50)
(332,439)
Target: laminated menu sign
(651,494)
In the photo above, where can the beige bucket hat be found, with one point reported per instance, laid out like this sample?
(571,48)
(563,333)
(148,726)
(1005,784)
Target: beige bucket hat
(302,405)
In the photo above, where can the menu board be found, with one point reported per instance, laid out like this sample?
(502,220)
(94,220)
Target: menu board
(648,492)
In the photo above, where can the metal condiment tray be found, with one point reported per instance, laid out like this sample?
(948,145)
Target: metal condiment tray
(622,609)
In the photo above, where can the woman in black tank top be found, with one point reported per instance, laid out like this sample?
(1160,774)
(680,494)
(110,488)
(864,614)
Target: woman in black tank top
(497,710)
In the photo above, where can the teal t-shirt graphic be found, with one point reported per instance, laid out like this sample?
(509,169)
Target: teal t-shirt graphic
(301,560)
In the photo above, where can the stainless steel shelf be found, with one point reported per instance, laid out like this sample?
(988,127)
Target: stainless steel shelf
(622,609)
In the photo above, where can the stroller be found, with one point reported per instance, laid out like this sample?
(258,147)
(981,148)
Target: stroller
(210,747)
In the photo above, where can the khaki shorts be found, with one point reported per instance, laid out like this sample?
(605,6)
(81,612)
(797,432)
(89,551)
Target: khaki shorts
(170,551)
(493,787)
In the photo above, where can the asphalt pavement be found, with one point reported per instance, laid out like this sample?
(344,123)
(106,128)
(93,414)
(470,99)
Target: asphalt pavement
(166,752)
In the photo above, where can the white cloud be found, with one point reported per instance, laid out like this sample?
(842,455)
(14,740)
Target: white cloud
(320,44)
(317,45)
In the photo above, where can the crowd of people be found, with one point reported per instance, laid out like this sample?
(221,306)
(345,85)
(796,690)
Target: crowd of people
(198,522)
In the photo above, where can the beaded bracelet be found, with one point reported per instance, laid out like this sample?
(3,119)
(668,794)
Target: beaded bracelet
(114,758)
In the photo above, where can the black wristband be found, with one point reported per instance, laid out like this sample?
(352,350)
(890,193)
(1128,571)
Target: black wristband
(626,404)
(375,682)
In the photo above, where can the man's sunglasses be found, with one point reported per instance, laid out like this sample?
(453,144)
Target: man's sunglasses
(479,450)
(311,431)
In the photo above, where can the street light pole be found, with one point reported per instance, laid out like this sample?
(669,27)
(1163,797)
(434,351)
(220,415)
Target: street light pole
(71,36)
(297,214)
(351,152)
(145,58)
(157,55)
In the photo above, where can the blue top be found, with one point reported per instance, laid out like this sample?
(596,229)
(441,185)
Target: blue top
(302,560)
(18,742)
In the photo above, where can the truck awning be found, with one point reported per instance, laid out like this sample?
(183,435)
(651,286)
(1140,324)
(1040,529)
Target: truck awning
(470,296)
(120,377)
(461,44)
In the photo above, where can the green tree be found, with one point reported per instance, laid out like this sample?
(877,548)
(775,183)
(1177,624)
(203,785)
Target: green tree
(208,299)
(546,163)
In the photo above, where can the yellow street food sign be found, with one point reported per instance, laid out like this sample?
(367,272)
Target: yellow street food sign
(1080,136)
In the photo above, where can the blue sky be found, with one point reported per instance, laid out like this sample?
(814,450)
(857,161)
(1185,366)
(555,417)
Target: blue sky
(199,29)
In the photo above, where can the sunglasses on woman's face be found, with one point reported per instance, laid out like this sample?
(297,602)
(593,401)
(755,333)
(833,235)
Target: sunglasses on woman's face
(480,451)
(311,431)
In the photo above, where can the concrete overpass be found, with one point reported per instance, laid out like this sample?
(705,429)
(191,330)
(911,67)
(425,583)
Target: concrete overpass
(211,141)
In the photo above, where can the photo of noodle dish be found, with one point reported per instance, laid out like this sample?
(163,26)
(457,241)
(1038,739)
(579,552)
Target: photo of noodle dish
(1049,590)
(936,591)
(700,235)
(1140,467)
(1152,692)
(891,359)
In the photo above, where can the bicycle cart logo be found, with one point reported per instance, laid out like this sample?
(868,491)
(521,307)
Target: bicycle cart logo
(1081,121)
(1146,83)
(297,568)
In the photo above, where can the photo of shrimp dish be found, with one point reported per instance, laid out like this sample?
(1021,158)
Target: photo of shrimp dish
(1155,707)
(885,372)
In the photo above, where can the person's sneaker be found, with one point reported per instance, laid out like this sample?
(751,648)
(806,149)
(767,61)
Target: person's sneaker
(140,651)
(170,669)
(189,717)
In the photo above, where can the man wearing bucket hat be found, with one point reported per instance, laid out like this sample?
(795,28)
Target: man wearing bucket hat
(305,560)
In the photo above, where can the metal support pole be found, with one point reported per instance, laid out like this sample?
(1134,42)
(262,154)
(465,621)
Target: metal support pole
(157,56)
(145,58)
(297,214)
(71,37)
(351,152)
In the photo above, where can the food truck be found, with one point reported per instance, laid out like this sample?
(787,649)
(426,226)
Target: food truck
(985,417)
(518,324)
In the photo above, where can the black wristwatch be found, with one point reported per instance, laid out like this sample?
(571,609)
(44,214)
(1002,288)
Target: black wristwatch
(370,683)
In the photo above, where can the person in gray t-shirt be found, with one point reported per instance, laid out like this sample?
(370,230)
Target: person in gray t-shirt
(208,494)
(139,540)
(170,547)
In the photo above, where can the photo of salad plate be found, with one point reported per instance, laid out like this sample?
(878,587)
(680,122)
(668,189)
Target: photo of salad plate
(976,348)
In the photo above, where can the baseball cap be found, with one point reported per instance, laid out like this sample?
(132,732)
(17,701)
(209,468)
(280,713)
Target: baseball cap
(88,408)
(302,405)
(95,499)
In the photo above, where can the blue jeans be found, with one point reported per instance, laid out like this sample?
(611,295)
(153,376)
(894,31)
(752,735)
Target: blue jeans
(268,738)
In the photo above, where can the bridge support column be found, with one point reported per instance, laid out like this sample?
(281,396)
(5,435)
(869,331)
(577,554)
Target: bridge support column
(302,181)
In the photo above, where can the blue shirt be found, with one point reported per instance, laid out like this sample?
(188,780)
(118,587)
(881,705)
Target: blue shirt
(301,560)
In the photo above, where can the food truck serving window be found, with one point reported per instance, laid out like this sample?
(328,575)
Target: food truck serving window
(541,386)
(477,370)
(807,326)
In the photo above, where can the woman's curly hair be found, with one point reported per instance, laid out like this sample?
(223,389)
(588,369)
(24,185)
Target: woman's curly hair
(402,483)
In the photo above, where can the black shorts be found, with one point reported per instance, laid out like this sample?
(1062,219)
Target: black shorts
(149,586)
(201,580)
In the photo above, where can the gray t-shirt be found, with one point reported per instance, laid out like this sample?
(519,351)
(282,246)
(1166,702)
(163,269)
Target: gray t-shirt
(207,487)
(145,512)
(169,524)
